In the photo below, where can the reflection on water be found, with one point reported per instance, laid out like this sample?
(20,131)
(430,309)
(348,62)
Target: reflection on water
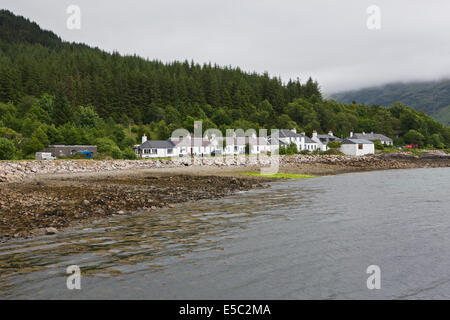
(298,239)
(126,245)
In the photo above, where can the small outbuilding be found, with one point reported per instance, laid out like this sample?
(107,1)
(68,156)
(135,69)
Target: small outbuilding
(357,147)
(372,137)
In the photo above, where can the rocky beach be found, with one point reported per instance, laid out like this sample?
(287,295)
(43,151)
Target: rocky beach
(43,197)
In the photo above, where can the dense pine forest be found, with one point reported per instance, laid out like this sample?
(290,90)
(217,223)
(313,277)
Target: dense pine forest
(55,92)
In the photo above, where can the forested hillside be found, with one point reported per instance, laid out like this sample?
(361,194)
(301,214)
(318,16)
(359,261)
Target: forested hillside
(431,97)
(55,92)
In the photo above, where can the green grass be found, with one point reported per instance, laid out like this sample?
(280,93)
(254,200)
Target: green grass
(278,175)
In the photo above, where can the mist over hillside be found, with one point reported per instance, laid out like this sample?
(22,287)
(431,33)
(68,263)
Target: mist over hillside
(432,97)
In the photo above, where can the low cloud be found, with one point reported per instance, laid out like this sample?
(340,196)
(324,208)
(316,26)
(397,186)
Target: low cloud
(325,39)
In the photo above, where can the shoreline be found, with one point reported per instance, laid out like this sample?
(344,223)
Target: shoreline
(25,170)
(47,205)
(46,202)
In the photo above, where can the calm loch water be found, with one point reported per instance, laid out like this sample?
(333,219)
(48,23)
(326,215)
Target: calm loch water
(299,239)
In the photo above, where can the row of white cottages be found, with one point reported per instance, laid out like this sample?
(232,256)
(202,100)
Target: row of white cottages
(207,146)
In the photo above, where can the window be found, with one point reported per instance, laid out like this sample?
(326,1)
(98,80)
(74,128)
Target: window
(360,146)
(154,151)
(169,151)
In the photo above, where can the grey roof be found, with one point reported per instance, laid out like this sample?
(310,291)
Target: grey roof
(272,140)
(193,142)
(371,136)
(356,141)
(326,138)
(286,133)
(157,144)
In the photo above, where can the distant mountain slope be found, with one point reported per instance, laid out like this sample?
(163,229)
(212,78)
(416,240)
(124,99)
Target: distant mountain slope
(431,97)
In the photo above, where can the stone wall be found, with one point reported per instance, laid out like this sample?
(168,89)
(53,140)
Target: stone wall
(12,171)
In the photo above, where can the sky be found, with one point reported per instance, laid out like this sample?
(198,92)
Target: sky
(328,40)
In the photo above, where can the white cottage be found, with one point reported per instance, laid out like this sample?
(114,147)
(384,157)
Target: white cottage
(156,149)
(234,146)
(257,145)
(191,146)
(287,137)
(357,147)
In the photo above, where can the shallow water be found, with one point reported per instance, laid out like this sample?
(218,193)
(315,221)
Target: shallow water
(298,239)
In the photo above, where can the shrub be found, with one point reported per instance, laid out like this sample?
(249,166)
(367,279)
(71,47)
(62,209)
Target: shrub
(126,142)
(414,137)
(116,153)
(291,149)
(106,146)
(334,145)
(378,145)
(129,154)
(7,149)
(32,145)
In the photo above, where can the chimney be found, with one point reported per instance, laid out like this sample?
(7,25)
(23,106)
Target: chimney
(371,132)
(294,130)
(351,134)
(303,133)
(363,133)
(330,133)
(254,135)
(144,138)
(314,133)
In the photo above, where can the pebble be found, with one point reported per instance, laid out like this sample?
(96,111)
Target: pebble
(51,231)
